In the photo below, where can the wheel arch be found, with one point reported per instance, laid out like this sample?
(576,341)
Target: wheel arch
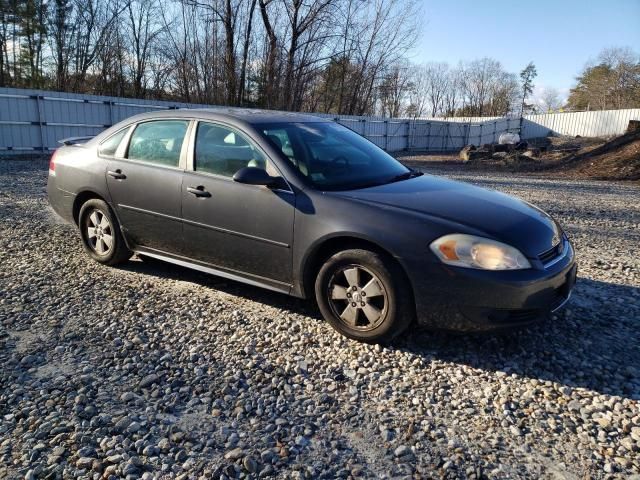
(329,246)
(86,195)
(81,199)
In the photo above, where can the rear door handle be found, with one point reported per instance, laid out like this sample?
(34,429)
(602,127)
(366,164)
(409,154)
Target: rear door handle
(198,191)
(118,175)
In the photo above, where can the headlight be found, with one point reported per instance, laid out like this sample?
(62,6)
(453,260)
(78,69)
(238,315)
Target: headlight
(476,252)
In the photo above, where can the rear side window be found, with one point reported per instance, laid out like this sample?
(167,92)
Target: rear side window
(110,145)
(158,142)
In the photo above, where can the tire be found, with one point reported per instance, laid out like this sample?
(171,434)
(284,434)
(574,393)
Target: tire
(100,233)
(378,309)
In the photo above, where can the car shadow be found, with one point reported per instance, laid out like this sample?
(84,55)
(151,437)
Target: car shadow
(593,344)
(158,268)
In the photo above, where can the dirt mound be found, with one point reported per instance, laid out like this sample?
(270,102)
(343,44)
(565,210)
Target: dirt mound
(616,159)
(563,156)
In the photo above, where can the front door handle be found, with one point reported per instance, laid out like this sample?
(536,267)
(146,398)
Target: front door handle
(198,191)
(118,175)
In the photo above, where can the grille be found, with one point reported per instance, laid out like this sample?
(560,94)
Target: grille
(549,255)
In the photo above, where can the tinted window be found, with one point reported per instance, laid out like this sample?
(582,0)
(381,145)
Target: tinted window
(334,157)
(158,142)
(280,138)
(223,151)
(110,145)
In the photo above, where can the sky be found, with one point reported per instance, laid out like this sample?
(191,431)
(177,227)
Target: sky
(559,36)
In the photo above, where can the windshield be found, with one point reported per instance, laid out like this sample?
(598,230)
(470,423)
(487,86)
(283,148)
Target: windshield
(332,157)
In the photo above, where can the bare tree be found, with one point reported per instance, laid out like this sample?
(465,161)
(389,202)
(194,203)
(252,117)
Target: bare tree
(308,25)
(480,87)
(453,94)
(32,14)
(270,70)
(380,34)
(78,32)
(61,34)
(476,80)
(486,88)
(143,28)
(417,94)
(7,20)
(392,91)
(111,77)
(437,82)
(245,51)
(550,99)
(335,56)
(230,14)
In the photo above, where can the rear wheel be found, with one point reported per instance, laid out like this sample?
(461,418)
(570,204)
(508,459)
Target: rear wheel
(364,296)
(100,233)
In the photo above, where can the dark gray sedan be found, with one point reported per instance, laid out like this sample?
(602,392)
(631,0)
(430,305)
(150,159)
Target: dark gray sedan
(307,207)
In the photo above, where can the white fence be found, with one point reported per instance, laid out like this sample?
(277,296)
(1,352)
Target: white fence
(600,123)
(395,134)
(34,120)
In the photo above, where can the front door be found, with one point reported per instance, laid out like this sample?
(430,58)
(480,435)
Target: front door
(245,229)
(145,184)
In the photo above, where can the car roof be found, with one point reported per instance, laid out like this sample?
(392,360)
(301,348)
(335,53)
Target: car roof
(234,115)
(238,117)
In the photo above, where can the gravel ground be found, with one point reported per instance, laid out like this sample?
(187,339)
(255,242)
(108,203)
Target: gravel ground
(154,371)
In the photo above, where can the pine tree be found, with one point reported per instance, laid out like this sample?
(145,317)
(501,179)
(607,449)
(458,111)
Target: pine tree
(527,75)
(614,82)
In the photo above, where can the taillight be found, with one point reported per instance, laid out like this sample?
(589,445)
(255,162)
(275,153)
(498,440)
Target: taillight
(52,162)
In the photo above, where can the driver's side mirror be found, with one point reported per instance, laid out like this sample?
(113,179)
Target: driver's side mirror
(255,176)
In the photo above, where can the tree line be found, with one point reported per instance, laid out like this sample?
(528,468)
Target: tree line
(476,88)
(611,81)
(329,56)
(322,55)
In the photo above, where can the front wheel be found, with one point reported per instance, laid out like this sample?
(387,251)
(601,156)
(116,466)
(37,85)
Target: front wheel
(100,233)
(364,296)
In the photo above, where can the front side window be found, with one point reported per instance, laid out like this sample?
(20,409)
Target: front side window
(158,142)
(332,157)
(109,147)
(223,151)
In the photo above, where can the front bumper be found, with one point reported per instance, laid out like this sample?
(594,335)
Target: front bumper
(455,298)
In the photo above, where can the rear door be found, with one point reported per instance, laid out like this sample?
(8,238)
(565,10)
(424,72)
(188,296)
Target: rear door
(240,228)
(145,182)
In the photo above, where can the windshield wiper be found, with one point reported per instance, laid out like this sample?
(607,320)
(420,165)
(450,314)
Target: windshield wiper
(357,186)
(405,176)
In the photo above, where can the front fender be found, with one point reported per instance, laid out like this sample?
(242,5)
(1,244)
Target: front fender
(325,218)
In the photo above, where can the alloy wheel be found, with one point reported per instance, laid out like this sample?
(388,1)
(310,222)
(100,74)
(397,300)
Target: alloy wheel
(357,297)
(99,232)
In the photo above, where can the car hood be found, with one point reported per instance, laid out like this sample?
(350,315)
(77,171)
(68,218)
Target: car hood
(500,216)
